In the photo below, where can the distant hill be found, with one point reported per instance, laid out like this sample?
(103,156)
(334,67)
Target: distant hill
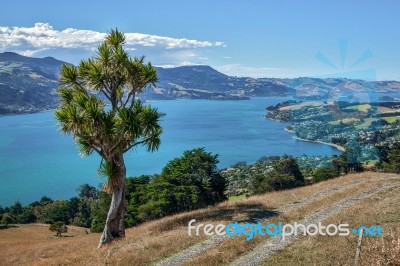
(204,82)
(28,85)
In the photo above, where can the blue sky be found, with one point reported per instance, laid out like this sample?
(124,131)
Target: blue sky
(242,38)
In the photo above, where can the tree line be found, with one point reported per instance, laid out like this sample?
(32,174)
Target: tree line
(186,183)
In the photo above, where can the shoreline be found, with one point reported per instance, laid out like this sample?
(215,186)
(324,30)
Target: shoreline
(27,113)
(338,147)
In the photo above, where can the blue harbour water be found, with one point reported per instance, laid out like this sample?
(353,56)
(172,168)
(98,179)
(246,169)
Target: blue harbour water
(36,160)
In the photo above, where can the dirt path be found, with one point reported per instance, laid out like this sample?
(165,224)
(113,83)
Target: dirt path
(196,249)
(267,249)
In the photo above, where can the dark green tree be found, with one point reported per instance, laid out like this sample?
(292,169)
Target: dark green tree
(160,199)
(55,211)
(321,174)
(27,216)
(258,184)
(352,156)
(339,164)
(383,152)
(58,227)
(99,212)
(186,183)
(6,219)
(16,209)
(100,109)
(87,191)
(81,211)
(45,200)
(137,189)
(197,171)
(289,166)
(392,161)
(272,181)
(285,174)
(280,181)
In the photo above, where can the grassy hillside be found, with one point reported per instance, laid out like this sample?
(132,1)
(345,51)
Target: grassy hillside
(360,199)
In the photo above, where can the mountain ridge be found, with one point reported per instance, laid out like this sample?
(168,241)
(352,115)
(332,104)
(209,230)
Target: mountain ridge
(28,84)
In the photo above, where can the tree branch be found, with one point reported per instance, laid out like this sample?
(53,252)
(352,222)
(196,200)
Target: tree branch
(105,94)
(97,149)
(135,144)
(115,146)
(133,100)
(128,97)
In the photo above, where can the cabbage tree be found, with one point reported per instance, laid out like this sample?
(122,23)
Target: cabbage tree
(99,107)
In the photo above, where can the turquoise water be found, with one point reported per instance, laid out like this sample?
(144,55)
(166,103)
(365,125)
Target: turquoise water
(36,160)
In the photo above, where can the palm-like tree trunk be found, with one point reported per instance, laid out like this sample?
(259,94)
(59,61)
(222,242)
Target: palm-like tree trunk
(115,227)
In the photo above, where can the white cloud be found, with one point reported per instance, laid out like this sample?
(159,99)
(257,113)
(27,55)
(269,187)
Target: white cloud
(42,39)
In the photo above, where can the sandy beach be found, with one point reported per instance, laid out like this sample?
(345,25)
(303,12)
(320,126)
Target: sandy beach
(338,147)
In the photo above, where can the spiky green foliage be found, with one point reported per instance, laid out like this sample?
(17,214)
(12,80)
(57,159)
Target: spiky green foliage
(99,105)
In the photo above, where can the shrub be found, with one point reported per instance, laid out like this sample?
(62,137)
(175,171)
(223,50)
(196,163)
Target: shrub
(6,219)
(322,174)
(273,181)
(280,181)
(59,227)
(286,174)
(289,166)
(390,158)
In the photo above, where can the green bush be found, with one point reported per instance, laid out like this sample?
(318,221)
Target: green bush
(285,174)
(280,181)
(273,181)
(6,219)
(289,166)
(59,227)
(390,158)
(321,174)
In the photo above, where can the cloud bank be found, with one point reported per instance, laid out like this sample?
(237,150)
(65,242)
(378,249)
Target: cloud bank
(43,40)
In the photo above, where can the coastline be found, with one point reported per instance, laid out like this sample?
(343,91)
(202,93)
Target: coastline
(338,147)
(28,113)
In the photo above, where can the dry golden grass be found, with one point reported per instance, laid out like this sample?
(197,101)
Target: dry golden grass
(152,241)
(383,251)
(387,110)
(34,244)
(300,105)
(382,209)
(234,247)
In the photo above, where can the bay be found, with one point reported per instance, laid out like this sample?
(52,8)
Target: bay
(36,159)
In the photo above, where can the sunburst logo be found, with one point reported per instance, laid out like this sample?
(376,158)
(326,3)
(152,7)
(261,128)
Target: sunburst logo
(352,86)
(348,94)
(343,48)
